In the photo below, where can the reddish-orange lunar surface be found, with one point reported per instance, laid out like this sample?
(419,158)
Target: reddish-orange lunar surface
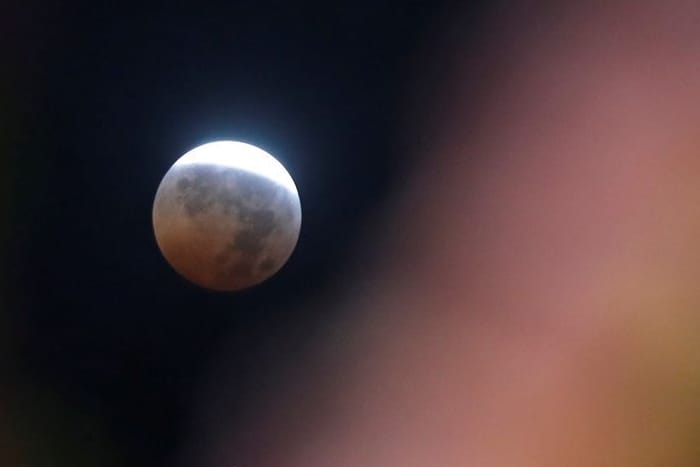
(227,216)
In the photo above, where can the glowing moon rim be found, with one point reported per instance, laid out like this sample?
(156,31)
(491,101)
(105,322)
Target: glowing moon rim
(241,156)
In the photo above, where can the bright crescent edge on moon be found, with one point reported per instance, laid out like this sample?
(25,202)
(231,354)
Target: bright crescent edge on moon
(237,155)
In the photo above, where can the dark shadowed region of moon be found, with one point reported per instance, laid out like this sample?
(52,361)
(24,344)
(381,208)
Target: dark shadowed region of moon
(227,216)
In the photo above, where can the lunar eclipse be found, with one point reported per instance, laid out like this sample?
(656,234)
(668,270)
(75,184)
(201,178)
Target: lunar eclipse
(227,216)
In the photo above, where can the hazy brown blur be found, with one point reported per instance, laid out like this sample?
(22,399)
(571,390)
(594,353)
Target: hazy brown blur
(535,299)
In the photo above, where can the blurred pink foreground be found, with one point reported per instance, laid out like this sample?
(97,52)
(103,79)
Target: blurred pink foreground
(535,297)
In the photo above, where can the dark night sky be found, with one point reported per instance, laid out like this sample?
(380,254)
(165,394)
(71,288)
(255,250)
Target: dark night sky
(107,343)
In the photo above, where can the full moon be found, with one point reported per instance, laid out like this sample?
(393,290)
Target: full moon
(227,216)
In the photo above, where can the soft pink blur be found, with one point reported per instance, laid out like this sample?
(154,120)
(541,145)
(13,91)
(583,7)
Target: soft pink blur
(535,300)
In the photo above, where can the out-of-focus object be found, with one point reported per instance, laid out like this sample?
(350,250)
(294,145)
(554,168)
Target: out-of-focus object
(537,302)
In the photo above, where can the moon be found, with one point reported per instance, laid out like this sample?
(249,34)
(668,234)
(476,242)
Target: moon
(227,216)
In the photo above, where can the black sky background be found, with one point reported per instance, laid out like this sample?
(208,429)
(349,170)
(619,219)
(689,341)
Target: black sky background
(107,345)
